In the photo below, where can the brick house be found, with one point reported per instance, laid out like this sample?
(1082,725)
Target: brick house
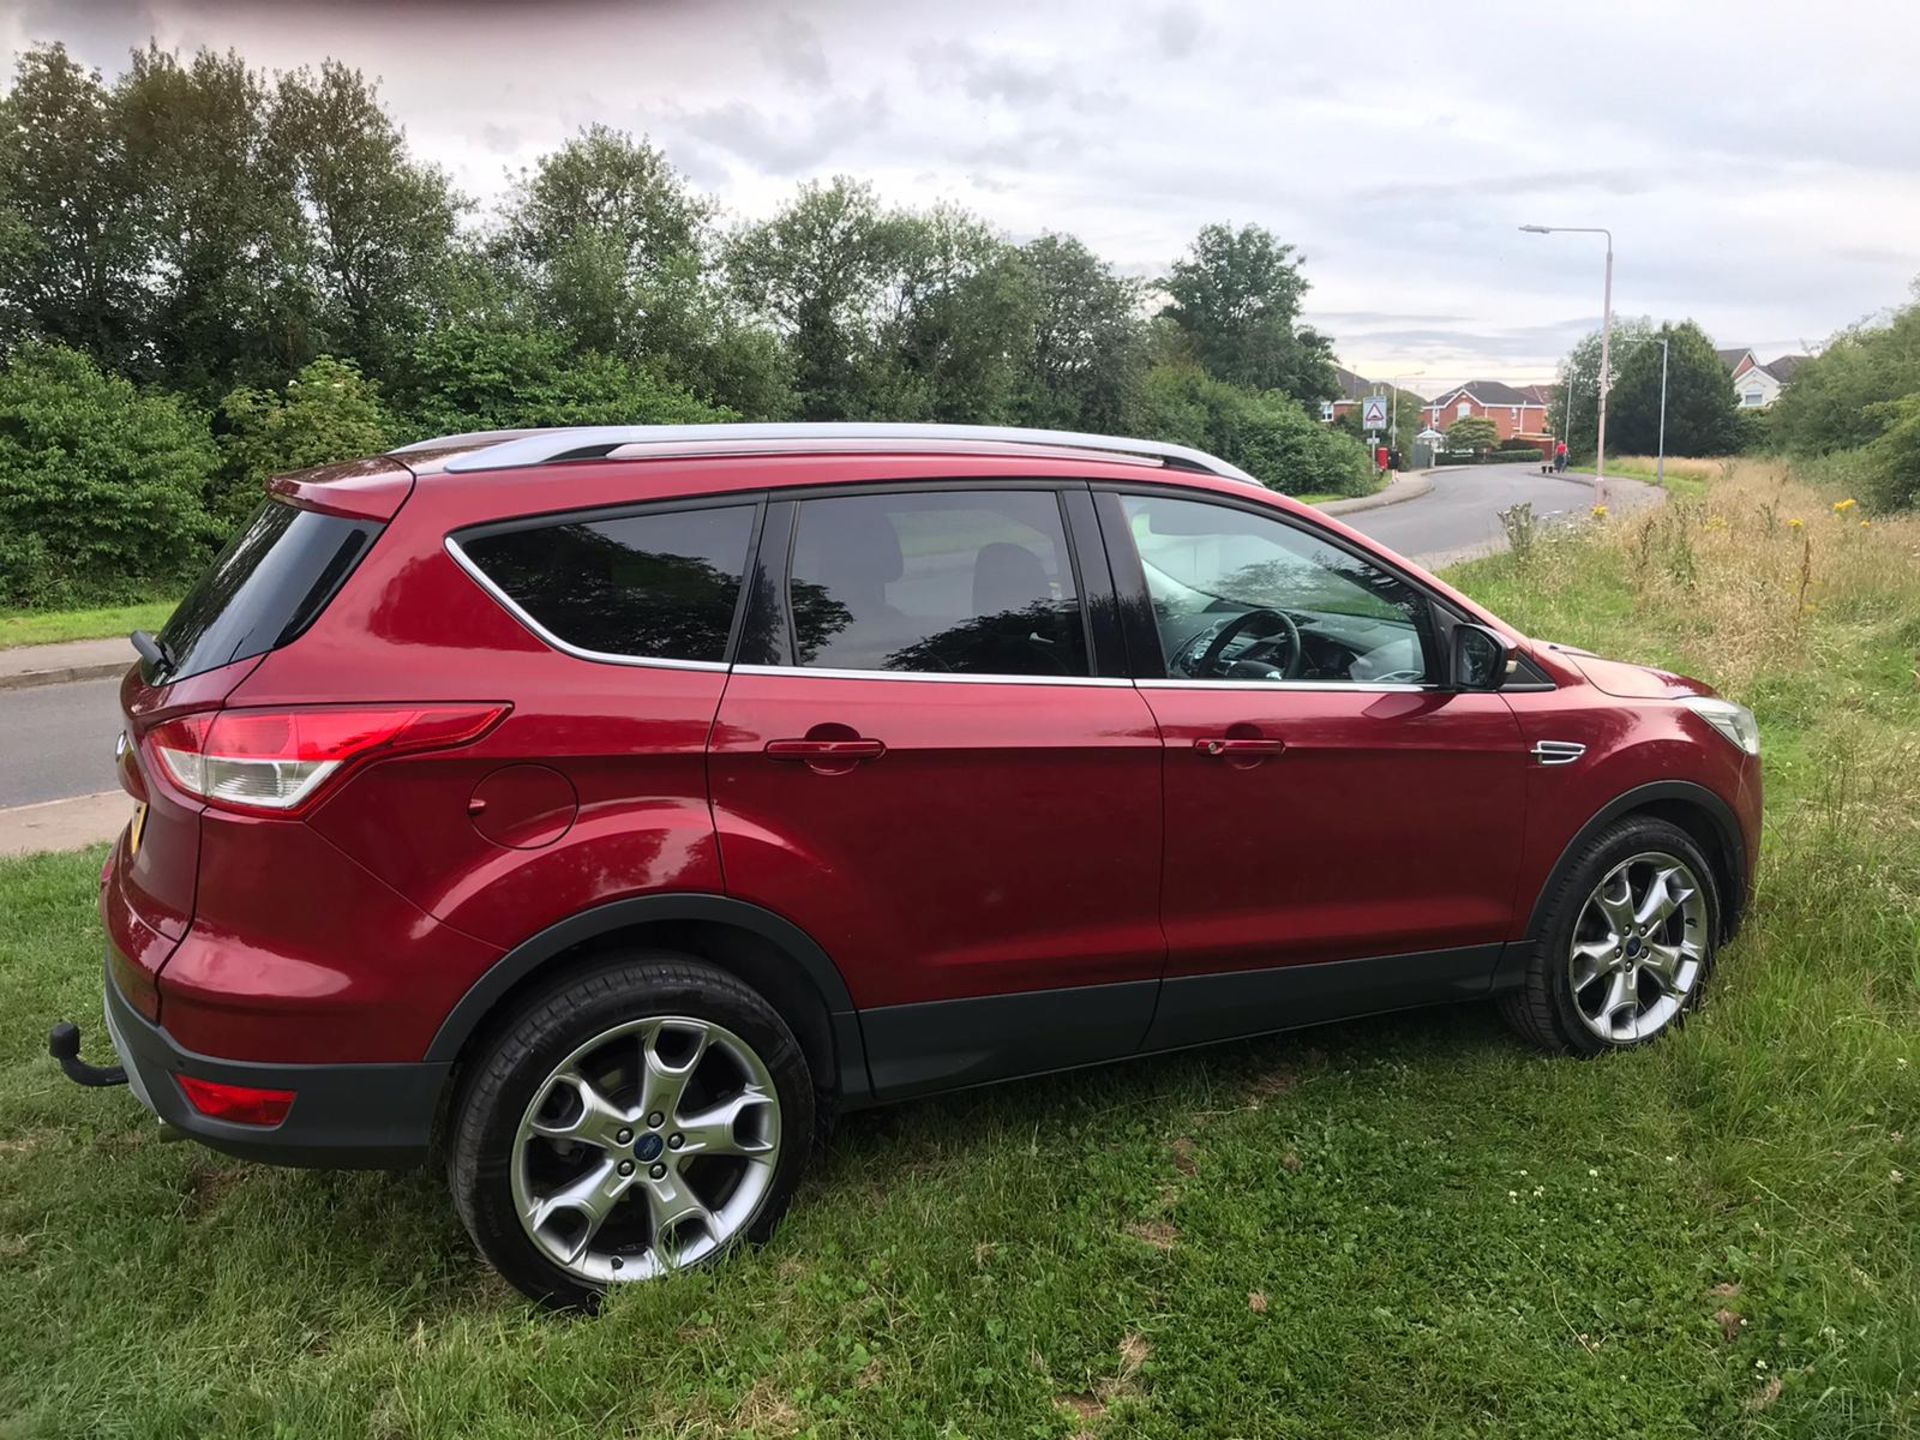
(1515,410)
(1757,386)
(1353,389)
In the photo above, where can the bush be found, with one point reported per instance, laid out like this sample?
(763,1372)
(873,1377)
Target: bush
(1892,462)
(1514,445)
(327,412)
(101,486)
(466,378)
(1263,432)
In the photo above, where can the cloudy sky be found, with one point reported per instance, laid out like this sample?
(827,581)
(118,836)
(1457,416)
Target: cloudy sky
(1758,162)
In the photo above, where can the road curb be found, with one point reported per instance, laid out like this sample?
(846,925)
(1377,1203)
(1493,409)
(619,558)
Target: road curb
(1410,486)
(61,675)
(70,824)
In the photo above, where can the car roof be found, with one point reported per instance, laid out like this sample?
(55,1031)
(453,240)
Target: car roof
(491,450)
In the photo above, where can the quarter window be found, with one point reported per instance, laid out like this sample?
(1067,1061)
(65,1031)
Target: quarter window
(658,586)
(962,583)
(1237,596)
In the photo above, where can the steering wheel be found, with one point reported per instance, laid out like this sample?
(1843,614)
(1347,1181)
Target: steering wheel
(1210,658)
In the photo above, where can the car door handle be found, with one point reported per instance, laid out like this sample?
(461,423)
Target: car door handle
(829,750)
(1228,746)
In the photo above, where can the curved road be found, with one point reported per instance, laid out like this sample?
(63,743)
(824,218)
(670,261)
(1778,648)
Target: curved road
(1460,517)
(60,737)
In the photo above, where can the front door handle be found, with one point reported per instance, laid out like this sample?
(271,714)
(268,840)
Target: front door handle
(829,751)
(1228,747)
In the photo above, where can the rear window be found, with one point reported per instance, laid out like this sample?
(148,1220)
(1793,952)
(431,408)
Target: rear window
(271,582)
(658,586)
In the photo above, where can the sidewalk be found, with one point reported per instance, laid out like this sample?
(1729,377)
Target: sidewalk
(70,824)
(1410,485)
(23,665)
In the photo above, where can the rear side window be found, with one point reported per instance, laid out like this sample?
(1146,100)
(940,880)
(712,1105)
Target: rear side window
(658,586)
(965,583)
(271,582)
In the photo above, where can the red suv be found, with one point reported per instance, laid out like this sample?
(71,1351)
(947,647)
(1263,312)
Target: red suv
(606,808)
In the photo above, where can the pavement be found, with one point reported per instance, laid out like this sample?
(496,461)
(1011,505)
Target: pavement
(59,704)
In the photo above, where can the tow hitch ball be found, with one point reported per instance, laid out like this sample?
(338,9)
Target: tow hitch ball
(63,1043)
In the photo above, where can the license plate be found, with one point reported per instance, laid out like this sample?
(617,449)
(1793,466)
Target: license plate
(135,828)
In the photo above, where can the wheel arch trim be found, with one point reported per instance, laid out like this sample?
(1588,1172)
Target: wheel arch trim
(1684,792)
(471,1011)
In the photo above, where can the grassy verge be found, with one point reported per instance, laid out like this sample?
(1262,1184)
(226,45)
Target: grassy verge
(1406,1227)
(46,627)
(1686,478)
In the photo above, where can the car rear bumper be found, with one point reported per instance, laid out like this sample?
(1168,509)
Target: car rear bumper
(343,1116)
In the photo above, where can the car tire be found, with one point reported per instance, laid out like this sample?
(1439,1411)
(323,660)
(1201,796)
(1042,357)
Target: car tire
(561,1128)
(1613,965)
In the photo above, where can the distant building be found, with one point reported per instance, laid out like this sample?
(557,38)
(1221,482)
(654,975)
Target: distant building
(1757,386)
(1517,411)
(1353,389)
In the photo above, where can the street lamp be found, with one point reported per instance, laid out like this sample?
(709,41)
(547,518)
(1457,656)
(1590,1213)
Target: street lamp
(1606,337)
(1393,405)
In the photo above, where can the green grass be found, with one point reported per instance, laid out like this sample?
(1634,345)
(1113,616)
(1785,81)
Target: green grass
(1640,467)
(46,627)
(1447,1234)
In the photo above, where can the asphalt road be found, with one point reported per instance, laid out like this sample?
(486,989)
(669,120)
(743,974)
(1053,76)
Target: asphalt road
(1460,517)
(59,738)
(59,741)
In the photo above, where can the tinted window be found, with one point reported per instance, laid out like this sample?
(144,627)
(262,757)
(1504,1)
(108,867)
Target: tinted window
(961,583)
(660,586)
(1238,596)
(270,582)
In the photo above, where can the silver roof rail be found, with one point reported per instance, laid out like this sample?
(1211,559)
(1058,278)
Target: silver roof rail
(517,449)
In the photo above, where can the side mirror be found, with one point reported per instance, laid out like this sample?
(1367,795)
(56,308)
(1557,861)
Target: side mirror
(1481,659)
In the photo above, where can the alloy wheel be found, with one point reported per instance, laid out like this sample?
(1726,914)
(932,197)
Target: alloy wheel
(1639,947)
(648,1149)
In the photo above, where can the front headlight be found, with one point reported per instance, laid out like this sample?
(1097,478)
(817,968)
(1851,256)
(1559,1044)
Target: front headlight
(1736,722)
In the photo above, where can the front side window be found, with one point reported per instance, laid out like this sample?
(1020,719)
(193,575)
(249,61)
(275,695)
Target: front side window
(1464,410)
(1237,596)
(657,586)
(953,583)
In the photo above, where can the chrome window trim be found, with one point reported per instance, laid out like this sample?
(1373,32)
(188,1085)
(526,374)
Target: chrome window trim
(540,632)
(1337,687)
(1108,682)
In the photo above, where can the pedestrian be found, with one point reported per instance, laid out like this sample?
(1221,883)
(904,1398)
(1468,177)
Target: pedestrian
(1560,458)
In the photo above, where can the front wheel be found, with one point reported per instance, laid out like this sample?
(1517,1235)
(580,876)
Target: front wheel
(1627,944)
(637,1119)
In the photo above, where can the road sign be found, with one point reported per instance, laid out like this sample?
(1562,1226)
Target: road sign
(1373,413)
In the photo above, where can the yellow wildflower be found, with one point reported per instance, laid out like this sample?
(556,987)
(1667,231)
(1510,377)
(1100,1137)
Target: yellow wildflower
(1599,512)
(1866,524)
(1840,507)
(1795,523)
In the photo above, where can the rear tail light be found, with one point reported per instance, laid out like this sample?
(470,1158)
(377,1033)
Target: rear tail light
(239,1104)
(275,761)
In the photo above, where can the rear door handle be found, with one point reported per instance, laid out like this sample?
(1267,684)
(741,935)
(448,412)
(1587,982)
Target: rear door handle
(816,750)
(1223,745)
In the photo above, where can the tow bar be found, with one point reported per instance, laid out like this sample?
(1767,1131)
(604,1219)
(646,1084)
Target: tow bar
(63,1043)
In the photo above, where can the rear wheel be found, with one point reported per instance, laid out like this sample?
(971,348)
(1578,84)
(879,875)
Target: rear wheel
(638,1119)
(1627,944)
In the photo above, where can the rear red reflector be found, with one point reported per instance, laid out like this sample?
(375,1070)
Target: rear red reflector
(278,760)
(237,1104)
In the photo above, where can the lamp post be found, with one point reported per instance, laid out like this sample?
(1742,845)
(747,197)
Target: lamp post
(1606,337)
(1660,461)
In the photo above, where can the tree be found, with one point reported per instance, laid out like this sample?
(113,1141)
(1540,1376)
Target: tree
(1583,365)
(600,227)
(1089,350)
(1893,458)
(819,272)
(1266,434)
(1473,435)
(100,485)
(1405,420)
(378,244)
(1236,297)
(471,378)
(1703,416)
(218,195)
(327,412)
(1839,399)
(74,237)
